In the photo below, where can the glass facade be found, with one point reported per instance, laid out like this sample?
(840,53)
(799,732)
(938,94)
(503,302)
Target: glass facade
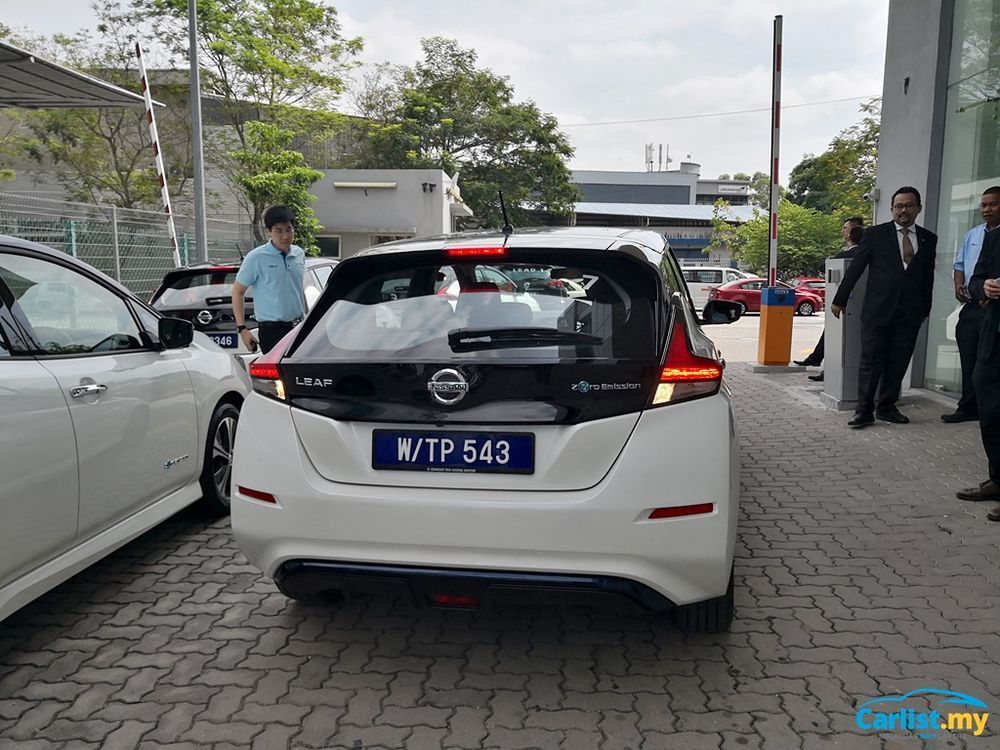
(970,164)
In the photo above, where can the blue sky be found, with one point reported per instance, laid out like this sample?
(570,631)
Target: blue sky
(592,62)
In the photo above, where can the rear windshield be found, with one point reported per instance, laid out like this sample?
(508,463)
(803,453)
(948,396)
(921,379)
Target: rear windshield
(198,288)
(531,309)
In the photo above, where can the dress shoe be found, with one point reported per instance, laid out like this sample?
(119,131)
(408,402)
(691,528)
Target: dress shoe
(988,490)
(895,416)
(994,515)
(818,377)
(959,416)
(861,420)
(805,362)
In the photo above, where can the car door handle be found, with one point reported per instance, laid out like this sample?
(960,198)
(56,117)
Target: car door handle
(84,390)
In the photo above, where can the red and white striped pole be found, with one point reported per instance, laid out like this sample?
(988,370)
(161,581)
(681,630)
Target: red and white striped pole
(772,272)
(154,136)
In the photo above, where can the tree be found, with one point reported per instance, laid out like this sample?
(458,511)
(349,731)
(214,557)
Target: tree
(806,238)
(760,190)
(104,154)
(271,173)
(835,181)
(267,61)
(446,113)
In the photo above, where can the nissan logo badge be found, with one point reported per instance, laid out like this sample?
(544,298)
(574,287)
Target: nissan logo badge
(205,317)
(448,386)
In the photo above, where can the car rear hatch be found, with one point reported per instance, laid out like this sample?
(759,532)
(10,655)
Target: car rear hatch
(392,383)
(203,295)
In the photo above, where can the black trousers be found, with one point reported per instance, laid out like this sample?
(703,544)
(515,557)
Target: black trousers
(816,357)
(970,319)
(986,381)
(270,332)
(885,354)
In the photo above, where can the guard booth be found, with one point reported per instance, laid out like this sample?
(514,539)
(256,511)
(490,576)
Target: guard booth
(777,310)
(842,355)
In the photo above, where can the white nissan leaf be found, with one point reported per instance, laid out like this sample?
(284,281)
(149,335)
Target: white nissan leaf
(112,418)
(500,441)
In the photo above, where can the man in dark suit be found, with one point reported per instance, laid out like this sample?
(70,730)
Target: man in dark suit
(899,257)
(985,286)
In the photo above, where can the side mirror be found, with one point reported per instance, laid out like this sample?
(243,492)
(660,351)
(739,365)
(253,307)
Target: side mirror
(721,311)
(175,333)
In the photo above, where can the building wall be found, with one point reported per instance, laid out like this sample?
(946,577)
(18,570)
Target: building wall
(912,100)
(914,94)
(636,187)
(413,203)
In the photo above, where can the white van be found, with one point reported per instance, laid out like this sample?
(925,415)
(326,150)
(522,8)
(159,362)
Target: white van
(702,279)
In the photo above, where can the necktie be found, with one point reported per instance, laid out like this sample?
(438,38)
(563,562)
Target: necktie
(907,247)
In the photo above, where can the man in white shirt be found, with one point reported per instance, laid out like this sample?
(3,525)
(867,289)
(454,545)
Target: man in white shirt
(971,316)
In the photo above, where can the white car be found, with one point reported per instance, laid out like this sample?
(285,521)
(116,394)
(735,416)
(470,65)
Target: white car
(455,452)
(112,417)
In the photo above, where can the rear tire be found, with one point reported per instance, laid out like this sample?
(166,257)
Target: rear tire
(711,616)
(805,308)
(217,468)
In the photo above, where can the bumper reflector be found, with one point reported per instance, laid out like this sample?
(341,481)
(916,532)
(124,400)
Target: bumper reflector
(455,600)
(679,511)
(264,497)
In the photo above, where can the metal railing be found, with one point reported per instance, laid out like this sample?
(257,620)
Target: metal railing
(129,245)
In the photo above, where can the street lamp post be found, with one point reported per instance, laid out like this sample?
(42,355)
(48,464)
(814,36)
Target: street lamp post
(200,225)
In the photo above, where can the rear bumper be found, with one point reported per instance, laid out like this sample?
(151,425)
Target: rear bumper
(683,454)
(328,582)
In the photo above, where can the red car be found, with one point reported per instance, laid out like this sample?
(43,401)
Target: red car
(746,292)
(812,284)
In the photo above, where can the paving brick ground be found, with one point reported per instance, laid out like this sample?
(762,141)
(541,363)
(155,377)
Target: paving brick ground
(858,574)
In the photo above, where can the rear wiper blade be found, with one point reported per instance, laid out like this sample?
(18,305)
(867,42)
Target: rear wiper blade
(477,339)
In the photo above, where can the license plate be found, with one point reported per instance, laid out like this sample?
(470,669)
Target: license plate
(225,340)
(454,452)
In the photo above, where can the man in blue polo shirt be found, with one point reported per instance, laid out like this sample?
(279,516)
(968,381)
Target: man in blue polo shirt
(971,316)
(275,271)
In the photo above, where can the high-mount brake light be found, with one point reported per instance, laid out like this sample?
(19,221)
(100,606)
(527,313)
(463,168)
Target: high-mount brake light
(685,375)
(471,252)
(220,269)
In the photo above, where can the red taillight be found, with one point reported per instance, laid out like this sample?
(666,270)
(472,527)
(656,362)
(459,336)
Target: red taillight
(468,252)
(264,370)
(264,497)
(679,511)
(455,600)
(556,283)
(264,373)
(685,375)
(221,269)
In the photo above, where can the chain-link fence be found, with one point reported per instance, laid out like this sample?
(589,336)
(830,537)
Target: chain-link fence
(129,245)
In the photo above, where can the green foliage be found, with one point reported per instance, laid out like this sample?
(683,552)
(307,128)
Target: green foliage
(835,181)
(760,190)
(447,113)
(806,238)
(104,155)
(272,173)
(265,59)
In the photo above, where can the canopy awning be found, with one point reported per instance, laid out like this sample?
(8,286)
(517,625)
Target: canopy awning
(27,80)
